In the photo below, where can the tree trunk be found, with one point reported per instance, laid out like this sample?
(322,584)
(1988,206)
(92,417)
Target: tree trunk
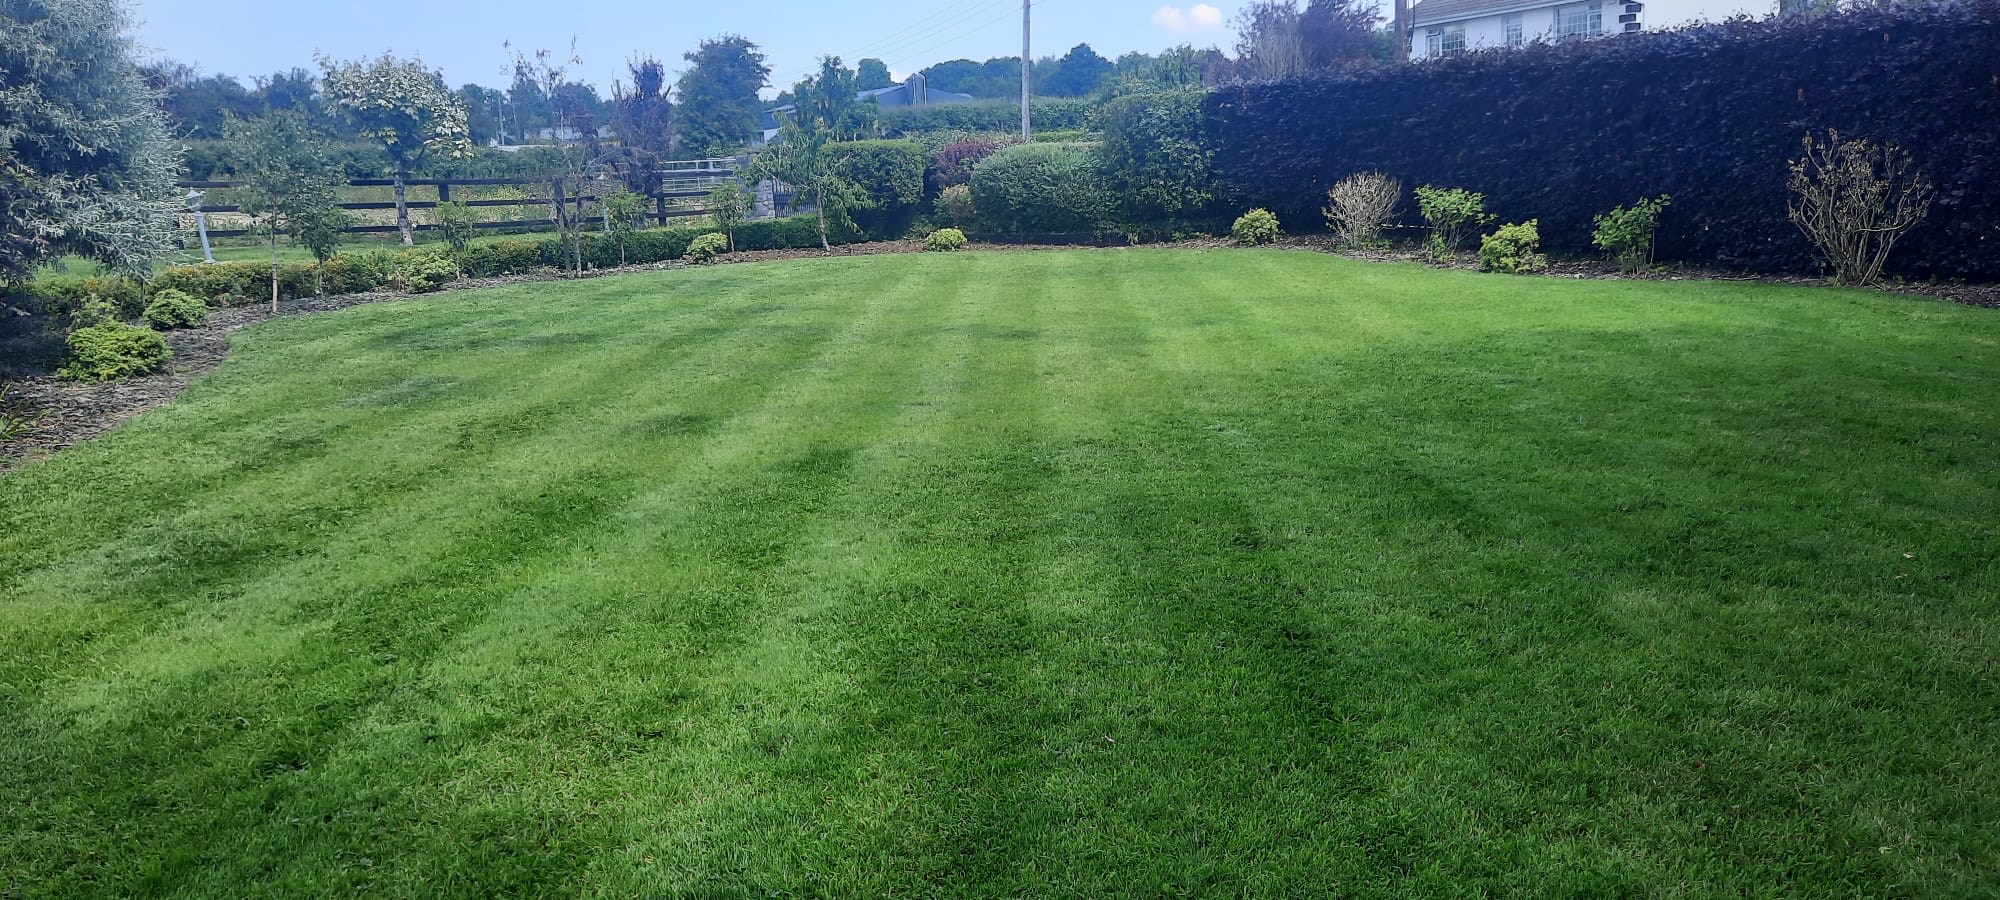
(1402,26)
(820,205)
(274,269)
(403,209)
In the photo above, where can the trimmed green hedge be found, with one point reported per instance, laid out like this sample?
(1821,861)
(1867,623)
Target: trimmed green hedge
(236,283)
(1043,189)
(891,177)
(1050,114)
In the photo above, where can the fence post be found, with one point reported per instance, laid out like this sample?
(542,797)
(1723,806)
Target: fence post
(444,192)
(661,200)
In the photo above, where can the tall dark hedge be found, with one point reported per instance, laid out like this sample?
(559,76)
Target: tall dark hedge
(1709,115)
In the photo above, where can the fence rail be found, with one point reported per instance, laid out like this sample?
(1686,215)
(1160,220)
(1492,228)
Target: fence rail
(682,184)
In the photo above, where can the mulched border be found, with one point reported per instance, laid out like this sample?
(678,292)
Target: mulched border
(70,412)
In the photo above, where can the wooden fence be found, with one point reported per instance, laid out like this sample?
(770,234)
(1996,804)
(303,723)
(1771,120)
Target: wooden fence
(681,185)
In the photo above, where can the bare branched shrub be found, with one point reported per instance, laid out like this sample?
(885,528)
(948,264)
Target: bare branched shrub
(1360,205)
(1855,200)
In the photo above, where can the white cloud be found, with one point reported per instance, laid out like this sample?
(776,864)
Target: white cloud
(1200,17)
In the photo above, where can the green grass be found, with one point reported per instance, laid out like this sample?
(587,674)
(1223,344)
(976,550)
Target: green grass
(1073,574)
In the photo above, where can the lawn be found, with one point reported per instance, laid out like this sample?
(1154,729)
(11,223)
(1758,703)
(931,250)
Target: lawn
(1101,573)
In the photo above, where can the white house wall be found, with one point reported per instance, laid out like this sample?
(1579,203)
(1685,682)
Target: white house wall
(1489,32)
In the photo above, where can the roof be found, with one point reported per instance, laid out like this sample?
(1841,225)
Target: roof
(1435,12)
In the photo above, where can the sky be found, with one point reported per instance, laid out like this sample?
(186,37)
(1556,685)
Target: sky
(468,39)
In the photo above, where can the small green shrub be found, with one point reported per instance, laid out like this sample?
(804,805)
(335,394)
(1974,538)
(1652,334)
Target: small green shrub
(889,179)
(1514,250)
(457,223)
(706,248)
(1628,233)
(1258,226)
(426,273)
(348,273)
(172,309)
(114,350)
(945,240)
(955,204)
(1455,215)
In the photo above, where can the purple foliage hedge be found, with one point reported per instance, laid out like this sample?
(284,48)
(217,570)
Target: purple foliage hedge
(1710,115)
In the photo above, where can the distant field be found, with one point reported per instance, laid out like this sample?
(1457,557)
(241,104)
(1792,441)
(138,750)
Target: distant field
(1117,573)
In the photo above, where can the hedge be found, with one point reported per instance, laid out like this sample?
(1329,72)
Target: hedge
(1043,189)
(1712,116)
(891,177)
(236,283)
(1051,114)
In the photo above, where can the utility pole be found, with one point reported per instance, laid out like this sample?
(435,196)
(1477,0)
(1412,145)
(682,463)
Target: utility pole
(1027,64)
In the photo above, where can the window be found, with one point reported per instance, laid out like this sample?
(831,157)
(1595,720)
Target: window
(1515,35)
(1576,23)
(1444,41)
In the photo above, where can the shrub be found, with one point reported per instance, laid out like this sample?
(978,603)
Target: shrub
(1514,250)
(67,295)
(172,309)
(1708,114)
(1157,159)
(1854,201)
(507,256)
(1628,233)
(729,206)
(890,179)
(215,280)
(1454,215)
(953,163)
(1257,226)
(945,240)
(426,273)
(457,223)
(706,248)
(955,204)
(1360,205)
(1043,189)
(113,350)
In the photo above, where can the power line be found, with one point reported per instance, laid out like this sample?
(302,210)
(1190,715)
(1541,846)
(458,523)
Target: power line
(1009,13)
(881,49)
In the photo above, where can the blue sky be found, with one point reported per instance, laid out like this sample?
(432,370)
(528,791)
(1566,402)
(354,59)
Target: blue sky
(253,37)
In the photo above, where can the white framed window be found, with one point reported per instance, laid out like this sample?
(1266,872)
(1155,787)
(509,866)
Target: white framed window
(1580,22)
(1444,40)
(1516,34)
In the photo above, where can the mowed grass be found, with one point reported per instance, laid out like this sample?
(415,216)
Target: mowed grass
(1117,573)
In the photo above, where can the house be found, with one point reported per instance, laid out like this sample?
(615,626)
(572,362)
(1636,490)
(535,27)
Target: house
(917,91)
(1450,27)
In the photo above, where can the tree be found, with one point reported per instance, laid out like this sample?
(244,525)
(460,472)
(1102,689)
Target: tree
(645,115)
(1270,40)
(292,89)
(827,102)
(485,113)
(283,176)
(873,75)
(1339,33)
(729,207)
(1078,73)
(406,108)
(198,104)
(86,167)
(800,158)
(568,203)
(625,212)
(318,227)
(719,111)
